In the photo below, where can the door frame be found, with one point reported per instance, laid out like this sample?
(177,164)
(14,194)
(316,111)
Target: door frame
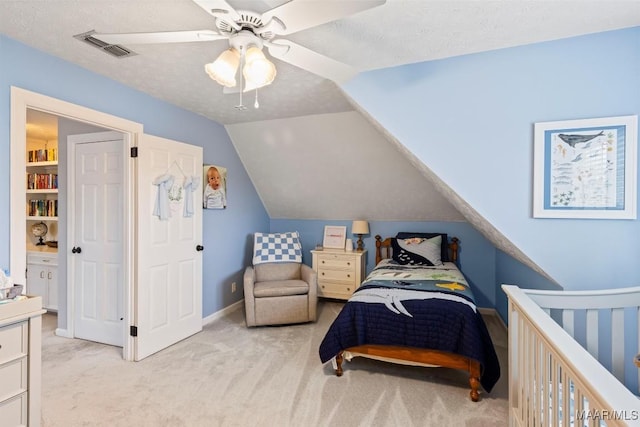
(21,100)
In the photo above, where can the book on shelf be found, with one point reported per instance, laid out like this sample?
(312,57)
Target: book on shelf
(42,181)
(42,155)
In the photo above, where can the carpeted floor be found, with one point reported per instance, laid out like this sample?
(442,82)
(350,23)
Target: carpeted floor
(228,375)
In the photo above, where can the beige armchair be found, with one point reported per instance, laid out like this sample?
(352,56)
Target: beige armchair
(280,293)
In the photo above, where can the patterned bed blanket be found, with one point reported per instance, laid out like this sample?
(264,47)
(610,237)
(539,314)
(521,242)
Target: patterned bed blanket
(415,306)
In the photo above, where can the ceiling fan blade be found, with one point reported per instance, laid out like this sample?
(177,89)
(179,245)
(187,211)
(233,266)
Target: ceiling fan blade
(298,15)
(218,9)
(311,61)
(160,37)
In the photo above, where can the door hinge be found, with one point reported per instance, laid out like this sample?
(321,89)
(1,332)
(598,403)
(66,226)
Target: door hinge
(133,331)
(134,151)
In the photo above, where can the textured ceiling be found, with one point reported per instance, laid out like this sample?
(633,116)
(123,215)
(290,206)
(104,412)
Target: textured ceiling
(398,32)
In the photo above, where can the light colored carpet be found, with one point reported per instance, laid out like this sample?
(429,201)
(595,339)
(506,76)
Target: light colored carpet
(228,375)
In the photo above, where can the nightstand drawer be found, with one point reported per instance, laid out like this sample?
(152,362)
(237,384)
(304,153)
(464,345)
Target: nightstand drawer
(336,261)
(13,342)
(13,412)
(14,378)
(335,290)
(336,275)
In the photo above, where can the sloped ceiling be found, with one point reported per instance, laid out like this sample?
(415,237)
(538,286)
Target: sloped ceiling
(302,163)
(396,33)
(334,166)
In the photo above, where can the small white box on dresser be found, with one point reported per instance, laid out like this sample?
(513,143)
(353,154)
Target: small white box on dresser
(339,272)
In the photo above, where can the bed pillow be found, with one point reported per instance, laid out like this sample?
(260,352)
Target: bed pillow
(417,251)
(444,253)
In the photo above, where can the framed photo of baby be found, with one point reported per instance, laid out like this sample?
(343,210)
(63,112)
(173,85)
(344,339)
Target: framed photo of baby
(214,195)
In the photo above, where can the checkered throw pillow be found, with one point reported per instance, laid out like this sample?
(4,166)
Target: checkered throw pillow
(276,247)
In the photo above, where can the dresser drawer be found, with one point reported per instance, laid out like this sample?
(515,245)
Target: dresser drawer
(346,276)
(13,342)
(13,412)
(336,261)
(335,290)
(14,378)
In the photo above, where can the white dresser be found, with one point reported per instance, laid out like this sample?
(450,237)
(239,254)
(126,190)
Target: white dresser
(339,272)
(20,362)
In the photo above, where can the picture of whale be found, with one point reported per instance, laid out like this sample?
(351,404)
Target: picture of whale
(572,140)
(392,298)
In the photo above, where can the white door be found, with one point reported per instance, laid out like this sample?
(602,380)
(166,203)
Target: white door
(168,289)
(97,237)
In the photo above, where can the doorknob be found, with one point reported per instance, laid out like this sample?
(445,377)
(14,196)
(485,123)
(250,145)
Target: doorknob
(199,248)
(75,250)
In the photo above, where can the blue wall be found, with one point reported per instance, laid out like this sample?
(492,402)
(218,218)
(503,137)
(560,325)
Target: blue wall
(477,255)
(226,232)
(470,119)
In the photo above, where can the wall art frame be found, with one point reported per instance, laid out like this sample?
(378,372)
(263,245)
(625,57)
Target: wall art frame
(334,236)
(586,168)
(214,193)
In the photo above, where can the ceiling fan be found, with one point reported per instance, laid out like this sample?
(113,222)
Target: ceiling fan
(248,32)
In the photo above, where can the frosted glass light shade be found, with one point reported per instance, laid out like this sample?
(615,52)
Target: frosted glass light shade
(360,227)
(224,68)
(258,70)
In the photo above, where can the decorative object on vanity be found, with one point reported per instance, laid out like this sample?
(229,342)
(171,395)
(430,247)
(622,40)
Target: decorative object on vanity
(334,236)
(39,230)
(214,195)
(360,227)
(586,168)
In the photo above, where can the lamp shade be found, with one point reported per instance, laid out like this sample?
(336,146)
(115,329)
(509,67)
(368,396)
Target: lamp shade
(258,70)
(360,227)
(224,68)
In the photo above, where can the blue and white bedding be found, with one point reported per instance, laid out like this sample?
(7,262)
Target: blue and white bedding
(415,306)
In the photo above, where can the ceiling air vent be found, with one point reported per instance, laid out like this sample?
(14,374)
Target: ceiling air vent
(112,49)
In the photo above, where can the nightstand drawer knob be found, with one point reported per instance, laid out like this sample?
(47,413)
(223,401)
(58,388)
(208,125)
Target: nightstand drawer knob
(323,273)
(348,275)
(348,263)
(323,262)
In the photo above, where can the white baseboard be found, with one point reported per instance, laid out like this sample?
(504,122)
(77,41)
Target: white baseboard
(224,312)
(63,333)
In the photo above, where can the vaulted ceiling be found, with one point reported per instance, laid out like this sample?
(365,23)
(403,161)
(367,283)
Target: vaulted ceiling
(395,33)
(347,159)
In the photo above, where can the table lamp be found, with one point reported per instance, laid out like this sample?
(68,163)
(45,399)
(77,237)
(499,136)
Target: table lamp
(360,227)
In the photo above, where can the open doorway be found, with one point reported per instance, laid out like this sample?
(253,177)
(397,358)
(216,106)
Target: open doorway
(75,119)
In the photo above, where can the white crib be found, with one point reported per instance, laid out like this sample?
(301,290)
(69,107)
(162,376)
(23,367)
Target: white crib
(553,380)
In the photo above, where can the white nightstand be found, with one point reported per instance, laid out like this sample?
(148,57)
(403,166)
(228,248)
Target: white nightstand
(339,272)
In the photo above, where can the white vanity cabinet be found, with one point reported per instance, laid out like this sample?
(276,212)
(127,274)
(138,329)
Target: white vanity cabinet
(21,362)
(42,278)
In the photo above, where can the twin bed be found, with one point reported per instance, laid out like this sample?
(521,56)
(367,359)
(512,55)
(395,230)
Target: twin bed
(415,307)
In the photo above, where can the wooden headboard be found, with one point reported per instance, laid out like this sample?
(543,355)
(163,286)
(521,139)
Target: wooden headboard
(383,249)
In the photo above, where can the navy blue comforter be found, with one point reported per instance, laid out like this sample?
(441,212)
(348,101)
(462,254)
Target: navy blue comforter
(414,315)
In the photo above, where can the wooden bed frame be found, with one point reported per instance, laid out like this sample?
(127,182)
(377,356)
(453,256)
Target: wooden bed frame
(412,354)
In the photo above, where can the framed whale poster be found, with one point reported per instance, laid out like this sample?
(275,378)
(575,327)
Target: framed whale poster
(585,168)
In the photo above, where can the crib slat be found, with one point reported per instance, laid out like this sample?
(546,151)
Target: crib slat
(592,332)
(638,329)
(617,343)
(567,321)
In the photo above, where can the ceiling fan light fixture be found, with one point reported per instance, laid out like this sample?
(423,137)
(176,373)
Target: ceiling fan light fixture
(258,71)
(223,69)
